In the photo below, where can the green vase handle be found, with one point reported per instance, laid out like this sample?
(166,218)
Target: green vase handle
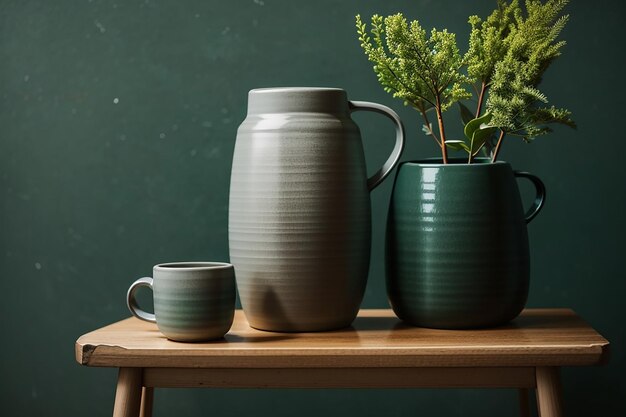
(394,158)
(540,198)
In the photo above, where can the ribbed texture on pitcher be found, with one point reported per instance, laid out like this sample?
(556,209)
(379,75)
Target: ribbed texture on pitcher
(299,220)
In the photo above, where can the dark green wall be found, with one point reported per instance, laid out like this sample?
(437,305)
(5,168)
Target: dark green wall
(117,127)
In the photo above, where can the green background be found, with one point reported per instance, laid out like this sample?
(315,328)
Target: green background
(117,127)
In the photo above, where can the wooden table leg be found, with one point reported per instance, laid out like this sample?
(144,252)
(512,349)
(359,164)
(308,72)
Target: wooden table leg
(549,400)
(128,393)
(147,398)
(524,409)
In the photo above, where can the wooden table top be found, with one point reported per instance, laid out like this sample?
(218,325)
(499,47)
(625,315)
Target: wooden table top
(538,337)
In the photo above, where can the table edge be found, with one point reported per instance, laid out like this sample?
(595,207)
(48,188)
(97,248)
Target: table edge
(111,355)
(116,356)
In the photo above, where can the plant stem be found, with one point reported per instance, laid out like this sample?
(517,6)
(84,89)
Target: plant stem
(481,96)
(442,132)
(497,148)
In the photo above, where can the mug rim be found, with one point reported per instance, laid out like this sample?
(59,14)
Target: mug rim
(191,266)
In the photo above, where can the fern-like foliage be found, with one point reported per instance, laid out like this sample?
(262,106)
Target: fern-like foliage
(419,70)
(518,107)
(488,41)
(508,53)
(422,71)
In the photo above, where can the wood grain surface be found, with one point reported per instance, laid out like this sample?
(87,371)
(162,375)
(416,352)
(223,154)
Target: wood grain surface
(538,337)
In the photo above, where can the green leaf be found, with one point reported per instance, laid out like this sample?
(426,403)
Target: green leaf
(480,136)
(457,145)
(466,114)
(475,124)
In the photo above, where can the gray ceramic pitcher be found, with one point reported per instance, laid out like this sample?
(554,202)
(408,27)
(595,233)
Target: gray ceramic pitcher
(299,215)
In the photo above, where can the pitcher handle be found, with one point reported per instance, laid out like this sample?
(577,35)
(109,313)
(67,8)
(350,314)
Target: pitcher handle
(540,197)
(394,158)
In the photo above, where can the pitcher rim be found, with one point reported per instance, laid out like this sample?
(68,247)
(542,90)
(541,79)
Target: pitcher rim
(292,89)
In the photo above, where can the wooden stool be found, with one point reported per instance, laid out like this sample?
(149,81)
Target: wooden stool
(377,351)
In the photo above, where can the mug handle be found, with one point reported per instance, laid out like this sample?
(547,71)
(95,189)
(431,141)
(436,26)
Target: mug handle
(394,158)
(131,302)
(540,197)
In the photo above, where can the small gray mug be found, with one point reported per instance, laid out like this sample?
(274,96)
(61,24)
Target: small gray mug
(193,301)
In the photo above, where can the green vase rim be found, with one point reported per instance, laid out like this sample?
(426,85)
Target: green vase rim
(452,162)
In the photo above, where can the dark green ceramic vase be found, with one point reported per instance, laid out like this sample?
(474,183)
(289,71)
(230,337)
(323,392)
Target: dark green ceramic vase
(457,245)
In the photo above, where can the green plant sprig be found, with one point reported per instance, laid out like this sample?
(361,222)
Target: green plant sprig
(488,46)
(517,105)
(507,55)
(423,72)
